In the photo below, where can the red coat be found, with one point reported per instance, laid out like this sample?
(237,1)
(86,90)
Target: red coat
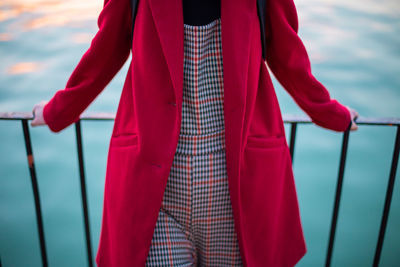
(147,123)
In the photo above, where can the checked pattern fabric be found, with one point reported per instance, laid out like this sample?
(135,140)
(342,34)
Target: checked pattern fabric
(195,224)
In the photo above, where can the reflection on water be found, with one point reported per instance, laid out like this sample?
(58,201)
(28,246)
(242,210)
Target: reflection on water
(354,48)
(19,18)
(44,13)
(23,67)
(368,7)
(5,37)
(82,38)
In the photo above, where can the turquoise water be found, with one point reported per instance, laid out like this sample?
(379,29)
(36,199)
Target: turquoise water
(354,48)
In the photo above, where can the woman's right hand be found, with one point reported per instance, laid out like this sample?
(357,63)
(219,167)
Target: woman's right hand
(37,112)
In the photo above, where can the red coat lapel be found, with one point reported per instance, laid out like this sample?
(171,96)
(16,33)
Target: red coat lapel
(236,21)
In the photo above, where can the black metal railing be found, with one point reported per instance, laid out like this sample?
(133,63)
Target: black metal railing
(291,119)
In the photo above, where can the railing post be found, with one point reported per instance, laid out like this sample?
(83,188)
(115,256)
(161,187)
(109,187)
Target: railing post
(83,191)
(35,187)
(388,200)
(293,129)
(337,196)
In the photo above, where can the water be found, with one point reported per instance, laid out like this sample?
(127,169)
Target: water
(354,51)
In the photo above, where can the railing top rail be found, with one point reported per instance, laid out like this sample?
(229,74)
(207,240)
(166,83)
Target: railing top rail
(287,118)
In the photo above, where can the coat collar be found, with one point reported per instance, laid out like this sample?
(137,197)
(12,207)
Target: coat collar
(236,19)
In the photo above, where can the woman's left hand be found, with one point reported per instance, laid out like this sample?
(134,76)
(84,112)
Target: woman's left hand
(354,115)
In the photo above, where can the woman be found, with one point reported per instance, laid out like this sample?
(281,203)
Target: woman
(198,170)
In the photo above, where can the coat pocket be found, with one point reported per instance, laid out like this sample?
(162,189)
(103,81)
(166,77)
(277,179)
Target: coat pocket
(124,140)
(263,142)
(269,204)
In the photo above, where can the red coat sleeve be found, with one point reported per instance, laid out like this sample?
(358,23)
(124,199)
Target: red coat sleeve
(288,60)
(108,51)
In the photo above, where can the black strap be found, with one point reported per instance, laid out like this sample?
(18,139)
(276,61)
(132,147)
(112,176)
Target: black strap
(134,4)
(261,7)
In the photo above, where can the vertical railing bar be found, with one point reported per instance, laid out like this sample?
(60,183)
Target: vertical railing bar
(83,191)
(293,129)
(35,188)
(388,199)
(337,196)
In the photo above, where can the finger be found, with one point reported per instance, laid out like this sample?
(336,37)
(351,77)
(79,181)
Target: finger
(355,114)
(354,126)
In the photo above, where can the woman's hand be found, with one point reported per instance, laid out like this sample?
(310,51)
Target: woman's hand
(354,115)
(38,114)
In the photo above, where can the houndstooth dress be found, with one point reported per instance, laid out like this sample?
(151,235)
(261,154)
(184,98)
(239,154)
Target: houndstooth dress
(195,224)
